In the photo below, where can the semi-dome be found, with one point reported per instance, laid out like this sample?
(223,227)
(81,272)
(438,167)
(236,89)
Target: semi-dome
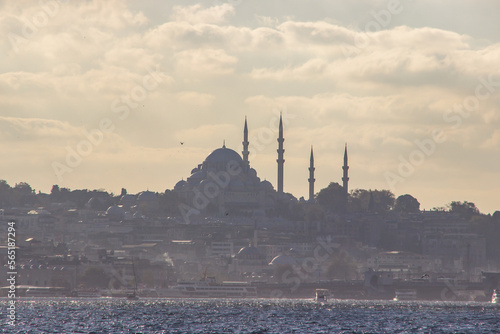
(179,185)
(252,172)
(266,185)
(196,178)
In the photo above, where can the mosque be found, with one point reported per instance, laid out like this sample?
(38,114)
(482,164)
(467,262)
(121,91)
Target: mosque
(225,183)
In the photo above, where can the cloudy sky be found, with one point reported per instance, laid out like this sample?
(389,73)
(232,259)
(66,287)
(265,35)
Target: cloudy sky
(99,94)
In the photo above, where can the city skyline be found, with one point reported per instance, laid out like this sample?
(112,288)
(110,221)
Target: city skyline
(112,94)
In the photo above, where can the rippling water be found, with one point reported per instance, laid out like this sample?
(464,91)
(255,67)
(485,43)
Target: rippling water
(249,316)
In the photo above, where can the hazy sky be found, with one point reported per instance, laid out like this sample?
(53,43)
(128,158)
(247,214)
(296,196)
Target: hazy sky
(413,87)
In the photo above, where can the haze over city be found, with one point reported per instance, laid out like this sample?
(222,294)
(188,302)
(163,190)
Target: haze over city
(142,92)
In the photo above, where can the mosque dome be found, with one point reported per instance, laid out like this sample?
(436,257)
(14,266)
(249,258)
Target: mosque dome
(194,170)
(219,158)
(92,202)
(147,196)
(249,253)
(283,260)
(127,200)
(115,212)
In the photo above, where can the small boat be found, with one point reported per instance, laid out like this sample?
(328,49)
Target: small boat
(405,295)
(321,295)
(495,298)
(132,296)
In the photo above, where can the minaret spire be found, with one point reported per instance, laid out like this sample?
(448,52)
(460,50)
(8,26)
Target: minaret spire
(280,159)
(245,144)
(345,178)
(311,177)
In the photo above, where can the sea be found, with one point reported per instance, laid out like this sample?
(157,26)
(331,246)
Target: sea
(108,315)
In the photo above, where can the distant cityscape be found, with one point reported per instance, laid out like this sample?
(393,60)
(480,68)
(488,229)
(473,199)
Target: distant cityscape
(224,221)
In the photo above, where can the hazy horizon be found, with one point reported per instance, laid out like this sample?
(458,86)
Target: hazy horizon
(411,87)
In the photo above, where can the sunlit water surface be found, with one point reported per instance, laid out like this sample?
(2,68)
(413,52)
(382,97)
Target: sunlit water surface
(248,316)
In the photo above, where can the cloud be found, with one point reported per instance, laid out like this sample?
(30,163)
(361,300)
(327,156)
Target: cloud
(197,14)
(205,62)
(46,15)
(319,32)
(379,91)
(195,98)
(34,129)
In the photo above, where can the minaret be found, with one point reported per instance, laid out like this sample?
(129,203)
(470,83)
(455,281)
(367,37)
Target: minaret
(280,160)
(311,177)
(245,144)
(345,179)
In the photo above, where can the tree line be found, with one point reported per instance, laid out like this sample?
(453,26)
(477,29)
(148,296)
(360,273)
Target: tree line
(332,198)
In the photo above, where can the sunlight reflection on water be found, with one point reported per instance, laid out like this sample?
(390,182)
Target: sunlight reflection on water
(249,316)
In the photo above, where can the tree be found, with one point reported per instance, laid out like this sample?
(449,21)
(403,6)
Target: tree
(371,200)
(23,188)
(5,194)
(23,194)
(55,193)
(332,197)
(313,212)
(4,185)
(464,209)
(407,204)
(384,200)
